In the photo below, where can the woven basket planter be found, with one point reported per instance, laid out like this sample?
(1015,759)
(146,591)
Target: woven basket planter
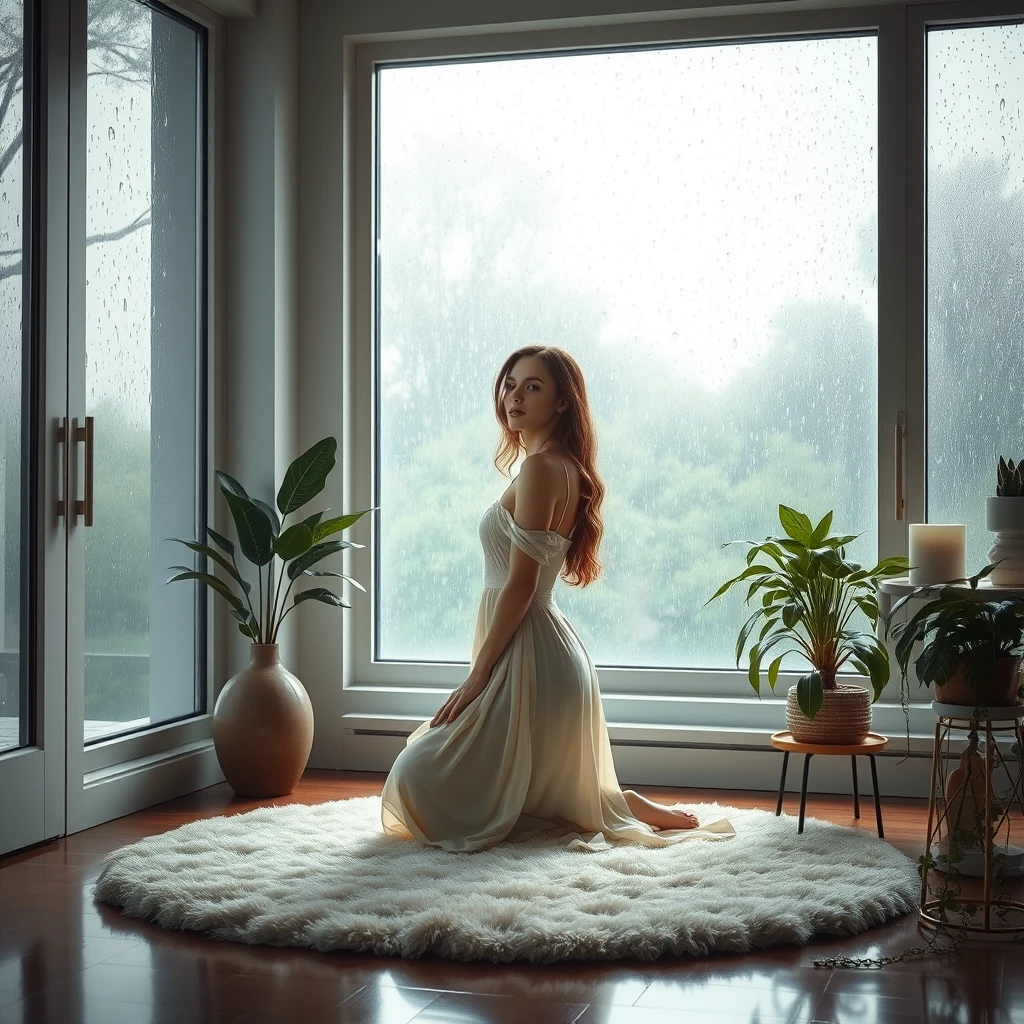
(845,716)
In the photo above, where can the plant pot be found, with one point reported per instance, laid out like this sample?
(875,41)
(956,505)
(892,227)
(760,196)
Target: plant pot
(263,726)
(1005,518)
(844,718)
(998,692)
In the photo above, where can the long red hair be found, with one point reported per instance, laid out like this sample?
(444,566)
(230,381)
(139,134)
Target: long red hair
(574,432)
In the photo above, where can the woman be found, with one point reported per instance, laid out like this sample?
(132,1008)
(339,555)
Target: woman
(521,746)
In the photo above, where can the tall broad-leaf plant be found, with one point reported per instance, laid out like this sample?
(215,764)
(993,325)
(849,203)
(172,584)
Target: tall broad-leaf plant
(265,538)
(808,594)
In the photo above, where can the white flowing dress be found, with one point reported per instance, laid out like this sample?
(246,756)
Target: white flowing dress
(531,753)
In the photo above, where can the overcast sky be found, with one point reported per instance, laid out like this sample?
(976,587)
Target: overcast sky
(700,189)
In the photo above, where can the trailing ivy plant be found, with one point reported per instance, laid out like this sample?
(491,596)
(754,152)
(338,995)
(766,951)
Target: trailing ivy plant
(264,537)
(808,594)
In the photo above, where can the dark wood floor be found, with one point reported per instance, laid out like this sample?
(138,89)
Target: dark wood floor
(63,959)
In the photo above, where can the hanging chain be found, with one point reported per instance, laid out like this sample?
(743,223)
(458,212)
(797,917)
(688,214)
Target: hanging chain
(853,963)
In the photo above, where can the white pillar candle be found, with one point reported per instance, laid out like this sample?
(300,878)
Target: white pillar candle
(938,553)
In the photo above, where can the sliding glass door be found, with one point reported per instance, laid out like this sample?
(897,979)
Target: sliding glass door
(103,396)
(137,658)
(21,764)
(33,396)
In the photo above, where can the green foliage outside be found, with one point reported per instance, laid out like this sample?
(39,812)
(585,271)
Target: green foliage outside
(797,426)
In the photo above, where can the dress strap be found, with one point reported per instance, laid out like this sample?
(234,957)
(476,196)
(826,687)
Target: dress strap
(568,494)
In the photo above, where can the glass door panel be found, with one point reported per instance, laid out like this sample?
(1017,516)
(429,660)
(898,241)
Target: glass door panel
(143,661)
(14,391)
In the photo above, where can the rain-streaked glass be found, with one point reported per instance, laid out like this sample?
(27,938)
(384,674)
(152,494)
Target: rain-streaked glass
(142,338)
(975,271)
(697,227)
(12,226)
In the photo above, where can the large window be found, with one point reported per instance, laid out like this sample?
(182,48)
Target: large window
(697,225)
(975,296)
(145,307)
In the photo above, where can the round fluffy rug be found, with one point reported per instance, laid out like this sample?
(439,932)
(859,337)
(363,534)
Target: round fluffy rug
(325,876)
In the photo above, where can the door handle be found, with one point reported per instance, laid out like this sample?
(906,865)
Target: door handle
(84,505)
(62,465)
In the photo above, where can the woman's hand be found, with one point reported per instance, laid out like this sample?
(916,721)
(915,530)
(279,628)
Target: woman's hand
(459,700)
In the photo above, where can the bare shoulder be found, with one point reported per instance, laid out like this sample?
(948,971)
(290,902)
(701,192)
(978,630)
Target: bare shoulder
(536,492)
(541,468)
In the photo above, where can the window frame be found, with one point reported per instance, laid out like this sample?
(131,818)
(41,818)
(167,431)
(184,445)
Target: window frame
(644,694)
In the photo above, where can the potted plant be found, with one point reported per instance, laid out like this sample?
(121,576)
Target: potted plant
(808,594)
(972,646)
(1005,518)
(263,720)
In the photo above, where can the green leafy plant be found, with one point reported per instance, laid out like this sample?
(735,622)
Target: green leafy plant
(956,627)
(809,593)
(263,537)
(1009,479)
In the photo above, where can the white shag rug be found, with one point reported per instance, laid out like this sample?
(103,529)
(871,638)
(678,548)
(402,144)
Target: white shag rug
(326,877)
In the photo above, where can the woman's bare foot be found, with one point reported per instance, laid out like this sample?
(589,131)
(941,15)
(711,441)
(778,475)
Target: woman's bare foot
(657,815)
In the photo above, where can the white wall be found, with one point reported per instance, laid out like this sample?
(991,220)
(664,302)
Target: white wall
(261,198)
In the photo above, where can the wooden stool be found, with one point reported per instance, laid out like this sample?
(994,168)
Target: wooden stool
(870,745)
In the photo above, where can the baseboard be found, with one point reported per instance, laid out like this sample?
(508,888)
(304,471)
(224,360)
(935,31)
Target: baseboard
(130,786)
(726,759)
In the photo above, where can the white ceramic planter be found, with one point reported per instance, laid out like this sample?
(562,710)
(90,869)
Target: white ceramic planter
(1005,518)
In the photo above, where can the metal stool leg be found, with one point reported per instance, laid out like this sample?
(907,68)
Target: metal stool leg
(803,791)
(856,795)
(878,805)
(782,781)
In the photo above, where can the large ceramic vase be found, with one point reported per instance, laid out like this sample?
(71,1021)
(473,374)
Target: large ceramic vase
(844,718)
(998,692)
(263,726)
(1005,518)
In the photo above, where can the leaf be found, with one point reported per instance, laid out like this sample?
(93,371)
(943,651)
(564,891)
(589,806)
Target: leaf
(752,570)
(895,566)
(213,583)
(255,534)
(306,476)
(331,526)
(295,541)
(337,575)
(809,693)
(323,595)
(792,613)
(796,524)
(313,521)
(229,485)
(222,542)
(247,630)
(745,631)
(754,672)
(773,671)
(299,565)
(218,558)
(820,532)
(275,523)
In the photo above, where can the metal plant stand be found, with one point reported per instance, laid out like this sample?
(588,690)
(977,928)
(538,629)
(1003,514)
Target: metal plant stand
(988,914)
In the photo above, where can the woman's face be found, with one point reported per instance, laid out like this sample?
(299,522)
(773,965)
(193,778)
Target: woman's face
(529,396)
